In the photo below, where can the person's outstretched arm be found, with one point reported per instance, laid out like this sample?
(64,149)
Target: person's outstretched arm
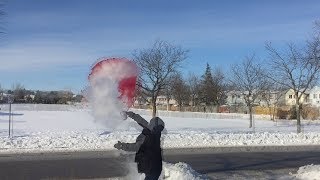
(131,147)
(136,117)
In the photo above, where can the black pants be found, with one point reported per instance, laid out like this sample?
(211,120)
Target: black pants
(154,176)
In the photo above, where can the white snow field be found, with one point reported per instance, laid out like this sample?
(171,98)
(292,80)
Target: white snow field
(40,128)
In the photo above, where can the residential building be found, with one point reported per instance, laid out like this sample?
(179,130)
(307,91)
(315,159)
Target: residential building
(238,98)
(162,100)
(289,98)
(314,96)
(235,98)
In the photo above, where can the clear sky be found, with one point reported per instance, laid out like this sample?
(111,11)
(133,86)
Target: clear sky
(51,44)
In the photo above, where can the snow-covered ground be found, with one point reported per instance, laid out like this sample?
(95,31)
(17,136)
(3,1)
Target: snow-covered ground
(76,130)
(47,128)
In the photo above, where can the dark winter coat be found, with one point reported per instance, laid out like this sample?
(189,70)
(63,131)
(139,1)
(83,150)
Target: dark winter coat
(147,147)
(149,155)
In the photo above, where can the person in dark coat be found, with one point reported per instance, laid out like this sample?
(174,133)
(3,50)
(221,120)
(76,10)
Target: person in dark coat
(147,146)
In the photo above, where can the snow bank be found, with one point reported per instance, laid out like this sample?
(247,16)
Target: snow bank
(309,172)
(99,140)
(180,171)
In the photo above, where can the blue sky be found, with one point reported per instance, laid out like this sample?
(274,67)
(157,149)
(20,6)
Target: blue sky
(51,44)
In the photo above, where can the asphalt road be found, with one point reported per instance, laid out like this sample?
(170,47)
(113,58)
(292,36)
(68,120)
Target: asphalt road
(217,163)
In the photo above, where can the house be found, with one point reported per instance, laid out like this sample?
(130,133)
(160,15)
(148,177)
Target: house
(29,96)
(289,98)
(235,98)
(139,101)
(162,100)
(314,96)
(4,97)
(270,98)
(238,98)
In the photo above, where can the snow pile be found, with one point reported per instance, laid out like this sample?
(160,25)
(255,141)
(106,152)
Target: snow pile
(213,139)
(79,140)
(309,172)
(180,171)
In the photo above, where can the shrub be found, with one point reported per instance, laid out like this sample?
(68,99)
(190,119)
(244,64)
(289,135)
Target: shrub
(309,112)
(293,113)
(283,114)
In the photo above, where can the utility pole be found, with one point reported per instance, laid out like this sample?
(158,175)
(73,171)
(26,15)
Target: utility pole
(10,101)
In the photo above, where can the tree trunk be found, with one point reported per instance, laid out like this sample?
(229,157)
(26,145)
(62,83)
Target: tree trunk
(274,112)
(298,118)
(193,103)
(154,107)
(168,105)
(270,112)
(298,112)
(250,114)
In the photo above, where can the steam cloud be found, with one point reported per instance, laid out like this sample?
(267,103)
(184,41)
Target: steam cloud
(103,93)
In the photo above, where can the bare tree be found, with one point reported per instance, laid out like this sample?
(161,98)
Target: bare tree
(167,91)
(271,96)
(139,98)
(218,86)
(194,88)
(316,28)
(296,70)
(1,93)
(2,15)
(156,65)
(248,78)
(19,92)
(180,90)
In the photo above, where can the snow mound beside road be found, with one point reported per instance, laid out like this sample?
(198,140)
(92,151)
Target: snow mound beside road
(178,171)
(308,172)
(181,171)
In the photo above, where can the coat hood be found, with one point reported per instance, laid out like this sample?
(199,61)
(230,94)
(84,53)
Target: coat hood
(156,122)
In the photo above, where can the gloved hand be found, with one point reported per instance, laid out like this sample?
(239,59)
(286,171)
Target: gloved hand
(118,145)
(124,115)
(130,114)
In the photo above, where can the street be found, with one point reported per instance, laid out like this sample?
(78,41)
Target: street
(216,163)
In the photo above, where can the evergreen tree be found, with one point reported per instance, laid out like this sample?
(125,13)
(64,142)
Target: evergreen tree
(38,97)
(208,95)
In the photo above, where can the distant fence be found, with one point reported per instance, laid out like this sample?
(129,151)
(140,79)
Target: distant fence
(42,107)
(148,112)
(200,114)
